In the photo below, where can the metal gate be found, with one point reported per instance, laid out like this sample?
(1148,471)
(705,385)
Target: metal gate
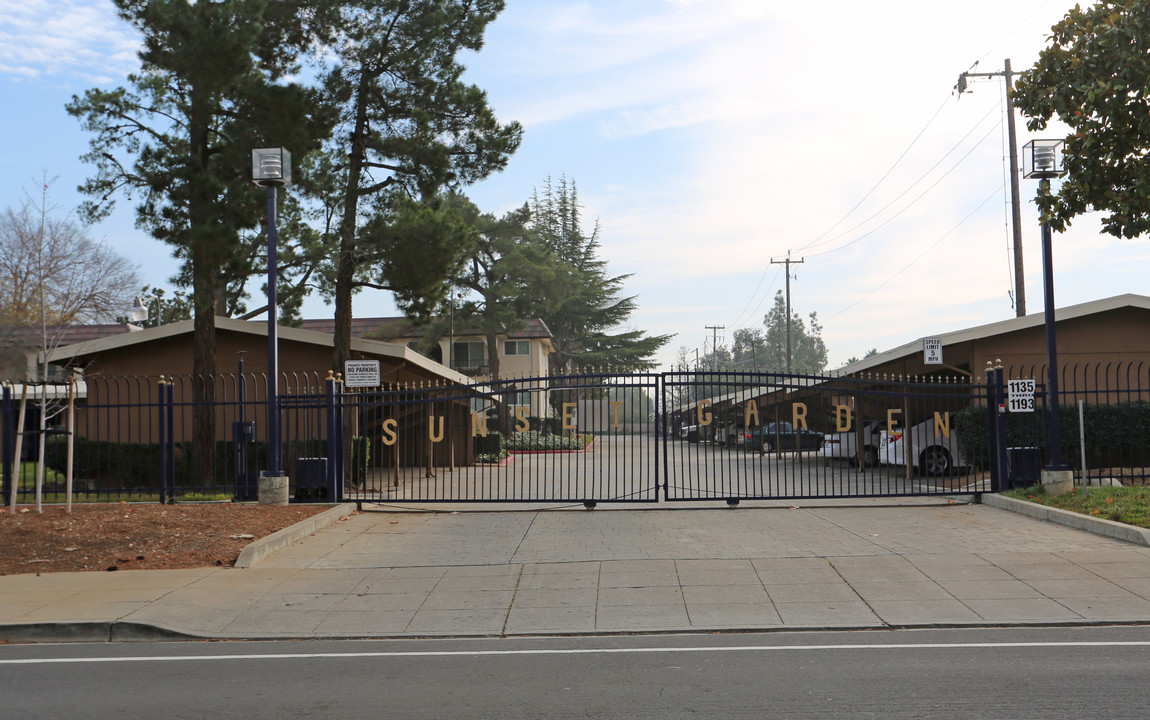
(641,438)
(761,436)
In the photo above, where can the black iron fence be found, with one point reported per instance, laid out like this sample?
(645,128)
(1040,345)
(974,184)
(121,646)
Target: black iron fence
(1104,413)
(134,438)
(588,438)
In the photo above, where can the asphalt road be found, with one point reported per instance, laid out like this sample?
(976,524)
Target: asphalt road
(1007,673)
(631,467)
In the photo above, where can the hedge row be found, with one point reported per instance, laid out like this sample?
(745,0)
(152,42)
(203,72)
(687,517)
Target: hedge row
(111,465)
(1117,435)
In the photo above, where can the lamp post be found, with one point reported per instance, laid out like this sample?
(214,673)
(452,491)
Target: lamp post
(451,331)
(1042,159)
(271,168)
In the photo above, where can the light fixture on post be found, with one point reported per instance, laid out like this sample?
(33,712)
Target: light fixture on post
(1042,159)
(139,311)
(271,168)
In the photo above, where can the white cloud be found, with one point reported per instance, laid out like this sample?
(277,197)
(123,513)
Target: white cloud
(85,38)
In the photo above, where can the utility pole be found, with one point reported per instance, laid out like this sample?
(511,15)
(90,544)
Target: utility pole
(788,262)
(1015,204)
(715,345)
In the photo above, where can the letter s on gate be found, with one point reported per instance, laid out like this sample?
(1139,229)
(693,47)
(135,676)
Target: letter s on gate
(521,424)
(389,436)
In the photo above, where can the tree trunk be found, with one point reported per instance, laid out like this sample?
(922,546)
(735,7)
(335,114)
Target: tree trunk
(206,267)
(345,272)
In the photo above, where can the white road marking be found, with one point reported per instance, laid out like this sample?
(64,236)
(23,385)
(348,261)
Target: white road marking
(571,651)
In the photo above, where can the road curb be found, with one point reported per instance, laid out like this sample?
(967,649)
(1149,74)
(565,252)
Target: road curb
(83,632)
(280,539)
(1078,521)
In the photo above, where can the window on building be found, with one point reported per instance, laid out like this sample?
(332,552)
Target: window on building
(518,398)
(516,347)
(470,355)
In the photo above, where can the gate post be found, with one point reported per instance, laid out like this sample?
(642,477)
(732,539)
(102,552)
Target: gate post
(335,444)
(996,427)
(661,435)
(163,402)
(6,445)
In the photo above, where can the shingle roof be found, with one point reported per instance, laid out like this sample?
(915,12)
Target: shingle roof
(390,328)
(30,337)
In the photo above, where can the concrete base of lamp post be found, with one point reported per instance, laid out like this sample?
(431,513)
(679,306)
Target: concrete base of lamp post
(1058,482)
(273,490)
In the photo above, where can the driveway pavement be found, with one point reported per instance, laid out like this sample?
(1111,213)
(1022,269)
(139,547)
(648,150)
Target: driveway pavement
(391,572)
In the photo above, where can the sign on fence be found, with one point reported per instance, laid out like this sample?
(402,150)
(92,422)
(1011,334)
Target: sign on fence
(361,373)
(932,351)
(1020,395)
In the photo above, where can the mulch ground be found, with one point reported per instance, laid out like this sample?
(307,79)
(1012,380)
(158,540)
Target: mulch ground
(146,536)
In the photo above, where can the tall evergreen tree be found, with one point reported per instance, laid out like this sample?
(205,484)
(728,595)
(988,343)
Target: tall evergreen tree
(408,127)
(212,87)
(582,304)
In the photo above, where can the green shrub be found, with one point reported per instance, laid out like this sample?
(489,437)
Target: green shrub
(536,441)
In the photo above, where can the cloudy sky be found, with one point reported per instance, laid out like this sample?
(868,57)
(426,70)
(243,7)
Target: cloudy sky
(708,138)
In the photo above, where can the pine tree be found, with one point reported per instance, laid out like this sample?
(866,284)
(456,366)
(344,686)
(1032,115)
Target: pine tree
(178,141)
(408,127)
(581,303)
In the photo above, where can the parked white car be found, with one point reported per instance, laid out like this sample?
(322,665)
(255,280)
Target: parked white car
(730,434)
(843,445)
(932,453)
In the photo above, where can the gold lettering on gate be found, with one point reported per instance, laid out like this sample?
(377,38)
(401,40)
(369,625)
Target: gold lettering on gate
(568,416)
(522,424)
(478,424)
(890,418)
(799,415)
(942,422)
(389,435)
(750,409)
(615,406)
(703,413)
(842,418)
(431,428)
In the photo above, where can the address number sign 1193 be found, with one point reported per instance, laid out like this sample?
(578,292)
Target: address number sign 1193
(1020,395)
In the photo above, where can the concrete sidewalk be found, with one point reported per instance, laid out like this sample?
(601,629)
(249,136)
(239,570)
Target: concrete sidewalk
(394,573)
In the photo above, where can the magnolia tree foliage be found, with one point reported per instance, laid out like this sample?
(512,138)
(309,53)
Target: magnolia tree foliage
(1094,76)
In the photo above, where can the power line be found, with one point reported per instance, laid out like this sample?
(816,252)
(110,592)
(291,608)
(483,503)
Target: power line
(880,180)
(933,245)
(912,186)
(909,205)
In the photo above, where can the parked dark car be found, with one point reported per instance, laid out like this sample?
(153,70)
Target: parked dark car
(782,437)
